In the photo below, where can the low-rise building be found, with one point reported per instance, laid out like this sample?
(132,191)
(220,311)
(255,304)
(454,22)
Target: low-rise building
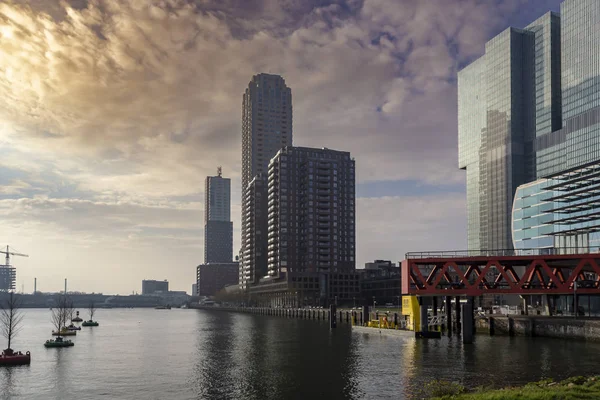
(381,282)
(152,286)
(212,277)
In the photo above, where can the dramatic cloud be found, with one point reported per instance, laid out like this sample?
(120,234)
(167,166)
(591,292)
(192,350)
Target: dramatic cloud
(112,112)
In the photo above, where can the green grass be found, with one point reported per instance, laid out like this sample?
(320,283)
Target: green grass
(572,388)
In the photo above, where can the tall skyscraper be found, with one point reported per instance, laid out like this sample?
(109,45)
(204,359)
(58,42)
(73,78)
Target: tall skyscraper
(266,123)
(218,228)
(266,128)
(529,133)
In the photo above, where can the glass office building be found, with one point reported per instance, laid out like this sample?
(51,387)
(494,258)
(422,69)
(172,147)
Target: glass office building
(531,107)
(561,213)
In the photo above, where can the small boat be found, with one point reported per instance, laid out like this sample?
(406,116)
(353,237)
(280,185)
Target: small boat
(162,307)
(58,342)
(77,318)
(73,328)
(64,332)
(90,323)
(10,357)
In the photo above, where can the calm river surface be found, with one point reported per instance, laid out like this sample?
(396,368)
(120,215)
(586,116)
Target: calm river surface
(193,354)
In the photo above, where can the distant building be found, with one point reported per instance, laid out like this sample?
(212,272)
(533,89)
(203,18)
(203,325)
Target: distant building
(194,289)
(380,282)
(379,263)
(152,286)
(218,228)
(210,278)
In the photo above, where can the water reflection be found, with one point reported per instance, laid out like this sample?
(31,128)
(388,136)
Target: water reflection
(7,383)
(214,360)
(241,356)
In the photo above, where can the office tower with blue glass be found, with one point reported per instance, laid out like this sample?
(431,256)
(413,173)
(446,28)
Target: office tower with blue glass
(529,134)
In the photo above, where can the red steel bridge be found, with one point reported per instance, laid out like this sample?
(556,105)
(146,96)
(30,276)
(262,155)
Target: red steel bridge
(519,272)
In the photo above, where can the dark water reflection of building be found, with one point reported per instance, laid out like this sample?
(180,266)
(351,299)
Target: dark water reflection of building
(249,357)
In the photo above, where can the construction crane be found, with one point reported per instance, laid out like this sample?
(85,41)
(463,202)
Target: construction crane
(11,253)
(8,274)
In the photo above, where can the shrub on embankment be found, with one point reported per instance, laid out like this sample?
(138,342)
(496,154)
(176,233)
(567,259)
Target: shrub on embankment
(575,388)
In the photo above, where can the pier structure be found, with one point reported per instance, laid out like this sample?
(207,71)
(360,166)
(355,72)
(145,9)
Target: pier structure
(463,276)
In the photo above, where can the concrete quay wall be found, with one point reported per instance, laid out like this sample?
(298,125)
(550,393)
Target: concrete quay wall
(345,316)
(555,327)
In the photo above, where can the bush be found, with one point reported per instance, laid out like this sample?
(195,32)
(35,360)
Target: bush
(441,388)
(577,380)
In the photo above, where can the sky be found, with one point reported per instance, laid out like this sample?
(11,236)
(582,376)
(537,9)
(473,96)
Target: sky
(113,112)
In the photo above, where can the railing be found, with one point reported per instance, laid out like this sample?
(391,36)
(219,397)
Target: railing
(436,320)
(501,252)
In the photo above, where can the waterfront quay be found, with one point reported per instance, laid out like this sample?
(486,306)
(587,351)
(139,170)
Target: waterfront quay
(319,314)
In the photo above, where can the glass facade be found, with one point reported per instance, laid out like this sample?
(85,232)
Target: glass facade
(562,212)
(576,142)
(496,125)
(471,122)
(540,120)
(532,214)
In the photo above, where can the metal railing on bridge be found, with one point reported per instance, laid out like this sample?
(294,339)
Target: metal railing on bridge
(500,252)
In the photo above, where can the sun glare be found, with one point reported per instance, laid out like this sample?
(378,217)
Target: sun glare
(6,32)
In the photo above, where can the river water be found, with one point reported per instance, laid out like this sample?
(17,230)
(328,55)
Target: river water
(195,354)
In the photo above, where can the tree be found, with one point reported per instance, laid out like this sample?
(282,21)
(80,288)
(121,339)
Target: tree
(92,309)
(10,318)
(69,310)
(61,312)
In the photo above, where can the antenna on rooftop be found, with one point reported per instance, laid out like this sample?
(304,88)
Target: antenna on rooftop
(219,171)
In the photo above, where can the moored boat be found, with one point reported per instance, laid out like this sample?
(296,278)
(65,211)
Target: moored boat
(58,342)
(64,332)
(90,323)
(10,357)
(73,328)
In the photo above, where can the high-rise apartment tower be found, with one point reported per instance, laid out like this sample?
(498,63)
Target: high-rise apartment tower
(311,211)
(266,128)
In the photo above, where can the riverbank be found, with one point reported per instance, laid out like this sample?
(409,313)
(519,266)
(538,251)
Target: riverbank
(572,388)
